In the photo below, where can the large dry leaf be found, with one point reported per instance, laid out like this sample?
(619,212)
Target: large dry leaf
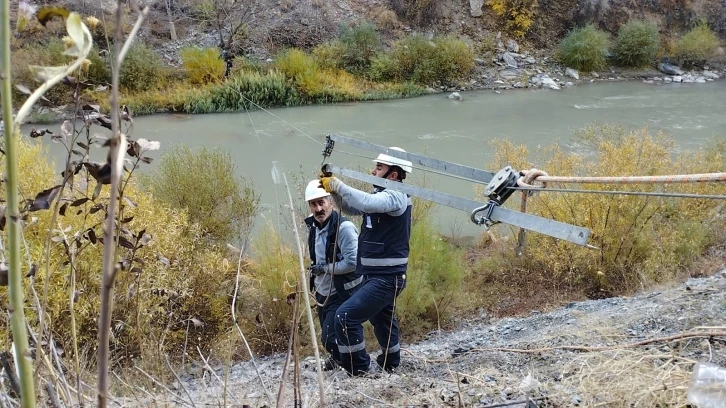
(45,14)
(80,35)
(43,200)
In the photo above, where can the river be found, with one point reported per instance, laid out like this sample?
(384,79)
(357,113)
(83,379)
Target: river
(433,125)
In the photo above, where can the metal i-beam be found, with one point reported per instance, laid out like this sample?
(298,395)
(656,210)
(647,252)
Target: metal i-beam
(576,235)
(467,172)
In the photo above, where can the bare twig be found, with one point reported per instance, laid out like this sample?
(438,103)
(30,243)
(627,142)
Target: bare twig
(308,310)
(508,403)
(239,329)
(290,345)
(51,395)
(116,154)
(206,364)
(155,381)
(179,381)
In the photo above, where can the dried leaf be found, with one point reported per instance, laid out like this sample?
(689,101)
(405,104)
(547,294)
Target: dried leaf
(92,236)
(57,238)
(83,145)
(80,201)
(96,193)
(43,74)
(258,318)
(3,274)
(145,239)
(32,271)
(43,100)
(67,129)
(91,108)
(291,298)
(38,133)
(140,234)
(124,242)
(197,323)
(139,261)
(45,14)
(147,160)
(135,270)
(163,260)
(96,208)
(129,202)
(63,208)
(127,220)
(77,153)
(101,172)
(79,34)
(43,199)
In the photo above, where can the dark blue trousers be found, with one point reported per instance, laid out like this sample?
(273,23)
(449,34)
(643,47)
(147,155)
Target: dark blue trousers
(326,314)
(374,301)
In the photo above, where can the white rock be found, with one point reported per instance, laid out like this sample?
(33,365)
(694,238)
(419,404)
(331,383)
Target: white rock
(572,73)
(455,96)
(550,83)
(667,80)
(711,75)
(512,45)
(569,84)
(595,74)
(677,78)
(475,7)
(700,80)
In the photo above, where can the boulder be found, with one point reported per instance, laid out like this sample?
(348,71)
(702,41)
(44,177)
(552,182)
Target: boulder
(509,60)
(512,46)
(572,73)
(475,7)
(669,69)
(455,96)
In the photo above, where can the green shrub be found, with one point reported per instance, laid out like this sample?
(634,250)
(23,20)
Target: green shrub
(99,71)
(361,44)
(242,64)
(141,69)
(174,279)
(434,278)
(48,53)
(418,59)
(330,55)
(252,91)
(584,48)
(637,43)
(203,65)
(696,46)
(203,182)
(640,240)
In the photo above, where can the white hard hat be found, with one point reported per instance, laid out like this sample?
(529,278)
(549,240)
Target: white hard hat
(314,191)
(405,165)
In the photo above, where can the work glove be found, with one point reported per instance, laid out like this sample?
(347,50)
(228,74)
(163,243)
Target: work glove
(317,270)
(330,184)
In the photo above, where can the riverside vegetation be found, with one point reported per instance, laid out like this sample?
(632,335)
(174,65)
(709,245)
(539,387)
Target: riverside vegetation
(355,66)
(178,278)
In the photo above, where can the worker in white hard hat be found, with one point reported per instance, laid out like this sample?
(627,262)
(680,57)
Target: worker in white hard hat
(383,248)
(333,246)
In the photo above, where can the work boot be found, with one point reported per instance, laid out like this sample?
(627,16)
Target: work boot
(330,364)
(391,362)
(373,371)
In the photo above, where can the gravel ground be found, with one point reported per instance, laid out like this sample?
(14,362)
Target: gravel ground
(583,354)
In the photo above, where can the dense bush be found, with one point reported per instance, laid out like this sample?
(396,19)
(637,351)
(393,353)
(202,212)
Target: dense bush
(640,240)
(696,46)
(175,294)
(361,43)
(434,278)
(418,59)
(316,84)
(142,69)
(203,183)
(637,43)
(584,48)
(48,53)
(330,55)
(203,65)
(518,14)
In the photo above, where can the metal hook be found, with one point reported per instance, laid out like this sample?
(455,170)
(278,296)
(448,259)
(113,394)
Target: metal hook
(485,220)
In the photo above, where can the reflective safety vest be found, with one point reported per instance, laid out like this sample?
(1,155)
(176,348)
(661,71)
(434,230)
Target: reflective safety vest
(383,243)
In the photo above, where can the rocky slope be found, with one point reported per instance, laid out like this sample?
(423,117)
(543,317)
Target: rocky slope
(611,352)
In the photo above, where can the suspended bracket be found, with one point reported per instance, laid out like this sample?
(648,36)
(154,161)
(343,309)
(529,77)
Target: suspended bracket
(497,190)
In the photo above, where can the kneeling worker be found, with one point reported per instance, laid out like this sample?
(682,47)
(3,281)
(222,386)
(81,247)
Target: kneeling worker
(333,277)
